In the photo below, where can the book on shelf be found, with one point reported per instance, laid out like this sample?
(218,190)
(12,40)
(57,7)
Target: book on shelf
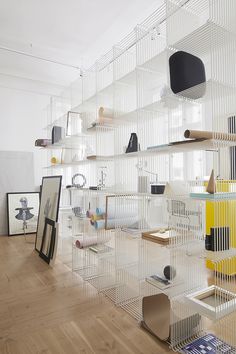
(97,157)
(100,248)
(158,281)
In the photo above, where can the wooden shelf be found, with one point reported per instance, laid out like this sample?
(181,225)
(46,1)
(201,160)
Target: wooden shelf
(183,146)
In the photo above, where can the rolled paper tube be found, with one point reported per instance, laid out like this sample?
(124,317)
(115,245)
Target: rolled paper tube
(118,212)
(90,241)
(77,243)
(99,224)
(124,222)
(122,214)
(100,211)
(105,113)
(96,217)
(103,120)
(90,213)
(201,134)
(112,223)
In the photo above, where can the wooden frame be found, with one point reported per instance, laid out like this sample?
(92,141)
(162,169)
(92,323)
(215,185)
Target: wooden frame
(21,211)
(68,121)
(47,256)
(54,213)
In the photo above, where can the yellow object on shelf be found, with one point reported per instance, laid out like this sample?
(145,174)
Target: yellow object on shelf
(220,214)
(54,160)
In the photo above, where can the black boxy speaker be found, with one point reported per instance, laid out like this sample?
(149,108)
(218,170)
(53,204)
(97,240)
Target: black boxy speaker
(187,71)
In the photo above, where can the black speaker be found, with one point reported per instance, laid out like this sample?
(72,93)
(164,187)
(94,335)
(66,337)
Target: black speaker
(187,71)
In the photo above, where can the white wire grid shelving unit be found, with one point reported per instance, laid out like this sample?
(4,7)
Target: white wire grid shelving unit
(132,83)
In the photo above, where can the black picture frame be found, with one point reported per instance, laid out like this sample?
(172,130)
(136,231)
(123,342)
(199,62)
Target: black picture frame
(41,219)
(48,256)
(21,194)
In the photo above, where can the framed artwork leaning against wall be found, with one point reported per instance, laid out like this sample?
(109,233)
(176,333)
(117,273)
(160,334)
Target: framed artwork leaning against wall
(49,205)
(22,213)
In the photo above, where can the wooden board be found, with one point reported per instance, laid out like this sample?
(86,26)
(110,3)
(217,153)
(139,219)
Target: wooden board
(157,236)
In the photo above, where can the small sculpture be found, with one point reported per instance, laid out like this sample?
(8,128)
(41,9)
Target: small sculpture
(133,143)
(102,179)
(78,185)
(211,187)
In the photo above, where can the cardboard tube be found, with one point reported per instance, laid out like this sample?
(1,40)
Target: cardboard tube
(201,134)
(90,213)
(113,223)
(99,224)
(105,113)
(104,120)
(100,211)
(118,212)
(96,217)
(91,241)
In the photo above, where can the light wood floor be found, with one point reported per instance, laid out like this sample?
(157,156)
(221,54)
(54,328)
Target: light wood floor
(50,310)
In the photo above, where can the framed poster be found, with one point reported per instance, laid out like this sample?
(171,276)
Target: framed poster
(22,213)
(48,240)
(49,205)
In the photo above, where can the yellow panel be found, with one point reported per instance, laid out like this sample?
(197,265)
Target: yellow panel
(218,214)
(227,267)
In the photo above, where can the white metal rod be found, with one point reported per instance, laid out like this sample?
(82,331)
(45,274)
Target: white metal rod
(6,49)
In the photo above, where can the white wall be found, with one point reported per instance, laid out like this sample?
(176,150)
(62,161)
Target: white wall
(22,116)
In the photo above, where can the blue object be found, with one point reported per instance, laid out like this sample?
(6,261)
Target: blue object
(100,211)
(208,344)
(216,196)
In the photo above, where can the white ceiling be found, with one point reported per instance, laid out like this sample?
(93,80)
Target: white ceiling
(70,31)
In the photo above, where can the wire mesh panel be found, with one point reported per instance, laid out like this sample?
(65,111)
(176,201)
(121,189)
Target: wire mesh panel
(125,58)
(203,229)
(156,135)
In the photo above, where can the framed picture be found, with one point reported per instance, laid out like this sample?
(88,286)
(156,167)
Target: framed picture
(49,205)
(73,123)
(22,213)
(48,241)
